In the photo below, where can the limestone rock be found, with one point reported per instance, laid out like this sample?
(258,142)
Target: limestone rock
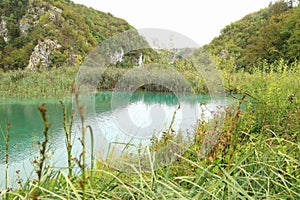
(34,13)
(24,26)
(55,14)
(3,29)
(40,57)
(30,19)
(117,56)
(55,9)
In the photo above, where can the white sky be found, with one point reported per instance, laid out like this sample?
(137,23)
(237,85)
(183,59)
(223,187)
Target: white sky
(198,20)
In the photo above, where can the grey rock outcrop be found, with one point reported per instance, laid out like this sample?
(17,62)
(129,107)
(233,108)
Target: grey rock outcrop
(34,13)
(31,19)
(55,9)
(40,57)
(117,56)
(3,29)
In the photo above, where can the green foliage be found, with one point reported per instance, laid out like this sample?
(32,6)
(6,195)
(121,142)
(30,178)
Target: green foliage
(8,8)
(270,34)
(77,29)
(21,84)
(58,58)
(275,96)
(256,156)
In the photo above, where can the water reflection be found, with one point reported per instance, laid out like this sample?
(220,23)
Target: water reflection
(145,115)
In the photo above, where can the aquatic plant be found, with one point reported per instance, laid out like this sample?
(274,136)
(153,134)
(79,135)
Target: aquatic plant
(256,157)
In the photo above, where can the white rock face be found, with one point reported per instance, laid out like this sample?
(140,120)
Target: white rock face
(40,57)
(3,29)
(24,26)
(30,19)
(55,9)
(117,56)
(33,14)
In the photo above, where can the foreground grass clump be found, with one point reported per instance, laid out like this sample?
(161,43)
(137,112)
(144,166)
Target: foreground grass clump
(256,156)
(22,84)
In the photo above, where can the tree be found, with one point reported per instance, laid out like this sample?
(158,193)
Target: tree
(2,43)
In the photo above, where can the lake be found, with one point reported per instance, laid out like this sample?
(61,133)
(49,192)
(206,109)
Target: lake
(113,121)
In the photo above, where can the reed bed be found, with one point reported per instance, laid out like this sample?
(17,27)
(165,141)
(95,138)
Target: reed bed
(256,156)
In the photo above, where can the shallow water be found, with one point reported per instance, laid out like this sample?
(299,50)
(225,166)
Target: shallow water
(112,118)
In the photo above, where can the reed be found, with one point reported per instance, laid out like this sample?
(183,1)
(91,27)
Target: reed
(92,162)
(43,148)
(82,158)
(7,157)
(22,84)
(68,138)
(256,157)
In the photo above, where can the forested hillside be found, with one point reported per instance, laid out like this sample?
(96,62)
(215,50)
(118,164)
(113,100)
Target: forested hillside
(50,33)
(269,35)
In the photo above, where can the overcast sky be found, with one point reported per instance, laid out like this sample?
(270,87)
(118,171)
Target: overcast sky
(198,20)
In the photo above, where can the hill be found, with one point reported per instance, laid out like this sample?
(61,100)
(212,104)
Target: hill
(42,34)
(269,35)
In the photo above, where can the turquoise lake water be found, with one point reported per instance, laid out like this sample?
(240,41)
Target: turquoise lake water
(135,121)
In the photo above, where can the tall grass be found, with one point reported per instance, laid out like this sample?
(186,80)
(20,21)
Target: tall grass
(256,157)
(68,138)
(6,158)
(82,158)
(22,84)
(44,145)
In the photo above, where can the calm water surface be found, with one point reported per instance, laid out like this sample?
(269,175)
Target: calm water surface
(137,121)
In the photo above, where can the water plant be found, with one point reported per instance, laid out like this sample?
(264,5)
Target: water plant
(68,137)
(6,137)
(256,157)
(82,158)
(43,146)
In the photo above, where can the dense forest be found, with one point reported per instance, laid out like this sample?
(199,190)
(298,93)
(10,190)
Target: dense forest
(75,29)
(269,35)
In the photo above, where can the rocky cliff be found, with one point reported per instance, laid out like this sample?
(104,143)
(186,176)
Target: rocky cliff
(40,57)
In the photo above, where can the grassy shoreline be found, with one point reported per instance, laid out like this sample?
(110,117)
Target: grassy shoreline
(22,84)
(256,156)
(57,83)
